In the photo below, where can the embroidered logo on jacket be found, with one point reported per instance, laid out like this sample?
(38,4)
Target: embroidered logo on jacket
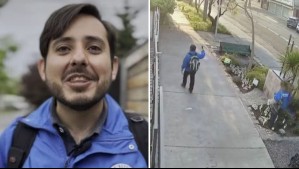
(121,165)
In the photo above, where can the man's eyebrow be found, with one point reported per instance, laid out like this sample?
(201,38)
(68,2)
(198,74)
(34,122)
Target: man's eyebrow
(94,38)
(62,39)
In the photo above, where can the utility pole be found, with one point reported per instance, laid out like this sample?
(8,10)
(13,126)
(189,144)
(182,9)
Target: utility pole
(218,2)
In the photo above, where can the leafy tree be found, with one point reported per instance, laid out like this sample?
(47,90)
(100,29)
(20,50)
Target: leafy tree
(165,6)
(126,40)
(291,67)
(229,5)
(3,2)
(7,85)
(33,88)
(291,64)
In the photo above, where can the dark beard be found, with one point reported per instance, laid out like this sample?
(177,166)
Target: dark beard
(81,104)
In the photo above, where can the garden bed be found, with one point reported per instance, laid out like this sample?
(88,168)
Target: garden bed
(283,124)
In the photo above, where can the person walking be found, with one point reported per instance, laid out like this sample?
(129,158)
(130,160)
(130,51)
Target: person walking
(190,66)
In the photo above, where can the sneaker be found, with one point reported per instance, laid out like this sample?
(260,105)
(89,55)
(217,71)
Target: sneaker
(190,90)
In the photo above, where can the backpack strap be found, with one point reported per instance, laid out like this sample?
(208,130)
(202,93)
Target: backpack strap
(22,141)
(139,127)
(24,136)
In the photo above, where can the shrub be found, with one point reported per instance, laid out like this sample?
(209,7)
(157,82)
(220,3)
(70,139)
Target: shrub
(260,74)
(222,58)
(296,131)
(223,30)
(294,105)
(166,6)
(233,59)
(196,19)
(263,70)
(237,80)
(229,70)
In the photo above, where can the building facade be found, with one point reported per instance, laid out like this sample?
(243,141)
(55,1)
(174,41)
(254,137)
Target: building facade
(284,8)
(134,81)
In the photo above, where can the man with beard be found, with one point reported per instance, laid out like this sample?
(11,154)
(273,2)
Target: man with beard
(81,126)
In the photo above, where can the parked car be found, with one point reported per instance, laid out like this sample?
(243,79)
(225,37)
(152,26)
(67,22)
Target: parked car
(292,22)
(297,28)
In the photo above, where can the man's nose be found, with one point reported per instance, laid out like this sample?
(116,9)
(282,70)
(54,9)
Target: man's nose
(79,58)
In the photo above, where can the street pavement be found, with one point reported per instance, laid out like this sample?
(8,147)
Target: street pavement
(268,29)
(211,126)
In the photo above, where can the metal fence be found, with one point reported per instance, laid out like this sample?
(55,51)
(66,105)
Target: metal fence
(155,95)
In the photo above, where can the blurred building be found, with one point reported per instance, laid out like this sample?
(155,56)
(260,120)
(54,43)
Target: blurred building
(134,80)
(284,8)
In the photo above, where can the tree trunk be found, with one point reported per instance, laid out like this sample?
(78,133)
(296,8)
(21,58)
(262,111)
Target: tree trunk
(252,35)
(200,2)
(212,19)
(214,22)
(196,6)
(205,10)
(209,6)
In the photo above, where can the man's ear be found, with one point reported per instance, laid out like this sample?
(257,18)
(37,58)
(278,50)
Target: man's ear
(115,64)
(42,69)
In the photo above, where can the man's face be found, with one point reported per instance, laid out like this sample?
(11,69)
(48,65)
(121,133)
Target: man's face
(78,68)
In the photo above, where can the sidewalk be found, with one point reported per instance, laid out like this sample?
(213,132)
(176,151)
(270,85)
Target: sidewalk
(211,127)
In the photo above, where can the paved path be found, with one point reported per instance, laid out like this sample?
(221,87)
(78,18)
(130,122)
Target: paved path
(211,127)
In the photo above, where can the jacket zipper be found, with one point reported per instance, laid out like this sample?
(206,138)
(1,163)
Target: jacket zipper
(66,164)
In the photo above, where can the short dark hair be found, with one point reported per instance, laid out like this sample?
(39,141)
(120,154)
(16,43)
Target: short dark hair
(60,20)
(192,47)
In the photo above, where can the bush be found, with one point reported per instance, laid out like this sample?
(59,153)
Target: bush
(201,26)
(166,6)
(196,19)
(223,30)
(237,80)
(232,57)
(296,131)
(260,74)
(294,105)
(229,70)
(39,93)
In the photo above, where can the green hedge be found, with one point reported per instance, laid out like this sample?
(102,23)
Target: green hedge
(196,19)
(232,57)
(260,74)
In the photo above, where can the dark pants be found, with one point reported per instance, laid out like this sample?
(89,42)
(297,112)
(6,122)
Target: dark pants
(192,79)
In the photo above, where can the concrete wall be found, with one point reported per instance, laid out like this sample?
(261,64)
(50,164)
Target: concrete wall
(272,83)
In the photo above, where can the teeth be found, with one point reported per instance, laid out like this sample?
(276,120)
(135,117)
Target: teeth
(78,78)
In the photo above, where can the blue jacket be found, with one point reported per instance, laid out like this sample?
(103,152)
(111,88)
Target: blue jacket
(187,58)
(283,97)
(113,147)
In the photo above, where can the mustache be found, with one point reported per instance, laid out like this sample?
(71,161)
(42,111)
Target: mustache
(79,70)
